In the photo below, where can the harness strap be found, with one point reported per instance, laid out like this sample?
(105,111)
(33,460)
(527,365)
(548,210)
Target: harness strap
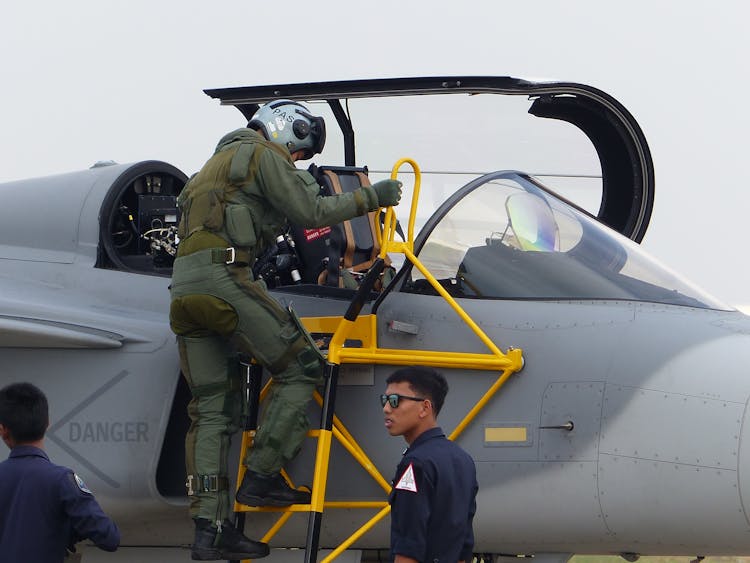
(348,231)
(364,180)
(206,484)
(230,256)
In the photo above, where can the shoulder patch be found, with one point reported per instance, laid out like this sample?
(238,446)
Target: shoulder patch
(407,481)
(81,484)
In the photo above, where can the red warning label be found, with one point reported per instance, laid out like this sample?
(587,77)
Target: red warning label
(315,234)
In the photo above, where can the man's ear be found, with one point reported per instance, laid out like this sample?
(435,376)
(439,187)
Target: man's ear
(427,409)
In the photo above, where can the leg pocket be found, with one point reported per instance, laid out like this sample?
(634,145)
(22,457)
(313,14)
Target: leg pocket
(193,315)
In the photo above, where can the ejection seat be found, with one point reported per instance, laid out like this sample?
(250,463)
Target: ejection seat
(341,254)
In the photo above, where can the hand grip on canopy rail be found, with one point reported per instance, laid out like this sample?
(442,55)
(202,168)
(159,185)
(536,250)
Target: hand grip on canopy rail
(387,235)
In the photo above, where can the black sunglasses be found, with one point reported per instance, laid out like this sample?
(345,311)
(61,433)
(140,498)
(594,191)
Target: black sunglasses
(394,398)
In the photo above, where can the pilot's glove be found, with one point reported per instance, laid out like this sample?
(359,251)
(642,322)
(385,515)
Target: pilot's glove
(388,191)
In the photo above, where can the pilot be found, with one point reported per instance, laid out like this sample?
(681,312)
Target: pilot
(232,209)
(433,499)
(46,508)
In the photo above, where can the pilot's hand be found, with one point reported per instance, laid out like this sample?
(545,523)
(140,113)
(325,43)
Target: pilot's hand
(388,191)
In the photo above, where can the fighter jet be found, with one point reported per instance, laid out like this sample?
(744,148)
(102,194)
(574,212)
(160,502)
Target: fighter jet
(608,416)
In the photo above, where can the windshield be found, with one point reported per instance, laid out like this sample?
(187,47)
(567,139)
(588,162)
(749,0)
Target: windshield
(503,236)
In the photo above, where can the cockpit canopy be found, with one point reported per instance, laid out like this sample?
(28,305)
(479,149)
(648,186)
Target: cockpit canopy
(504,236)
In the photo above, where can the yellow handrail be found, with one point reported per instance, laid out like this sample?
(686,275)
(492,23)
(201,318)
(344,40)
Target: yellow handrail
(512,361)
(386,235)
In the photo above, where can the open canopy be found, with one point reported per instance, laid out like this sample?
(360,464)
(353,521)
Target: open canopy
(626,165)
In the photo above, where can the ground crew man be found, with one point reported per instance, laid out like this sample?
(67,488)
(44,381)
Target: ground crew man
(46,508)
(232,209)
(433,499)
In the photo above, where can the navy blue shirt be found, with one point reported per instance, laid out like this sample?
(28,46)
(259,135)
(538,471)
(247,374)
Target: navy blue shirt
(433,501)
(44,508)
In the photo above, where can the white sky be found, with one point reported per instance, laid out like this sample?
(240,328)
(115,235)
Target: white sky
(86,80)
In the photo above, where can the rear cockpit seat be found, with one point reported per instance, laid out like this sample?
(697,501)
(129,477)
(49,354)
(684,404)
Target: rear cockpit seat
(338,255)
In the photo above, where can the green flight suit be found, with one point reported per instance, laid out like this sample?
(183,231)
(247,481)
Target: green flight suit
(231,210)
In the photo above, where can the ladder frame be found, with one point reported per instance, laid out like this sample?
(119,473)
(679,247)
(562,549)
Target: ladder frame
(364,329)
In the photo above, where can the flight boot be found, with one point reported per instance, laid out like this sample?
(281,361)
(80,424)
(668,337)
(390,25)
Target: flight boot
(224,543)
(271,490)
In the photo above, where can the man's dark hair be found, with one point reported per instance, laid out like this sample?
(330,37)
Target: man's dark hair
(24,411)
(425,381)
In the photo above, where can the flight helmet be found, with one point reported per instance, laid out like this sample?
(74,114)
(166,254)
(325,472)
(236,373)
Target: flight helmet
(288,123)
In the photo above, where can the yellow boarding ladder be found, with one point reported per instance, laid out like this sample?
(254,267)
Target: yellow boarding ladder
(364,329)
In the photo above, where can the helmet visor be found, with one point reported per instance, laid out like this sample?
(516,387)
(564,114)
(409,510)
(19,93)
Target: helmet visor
(317,132)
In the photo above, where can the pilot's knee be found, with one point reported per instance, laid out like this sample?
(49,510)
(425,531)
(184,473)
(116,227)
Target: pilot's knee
(302,352)
(310,362)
